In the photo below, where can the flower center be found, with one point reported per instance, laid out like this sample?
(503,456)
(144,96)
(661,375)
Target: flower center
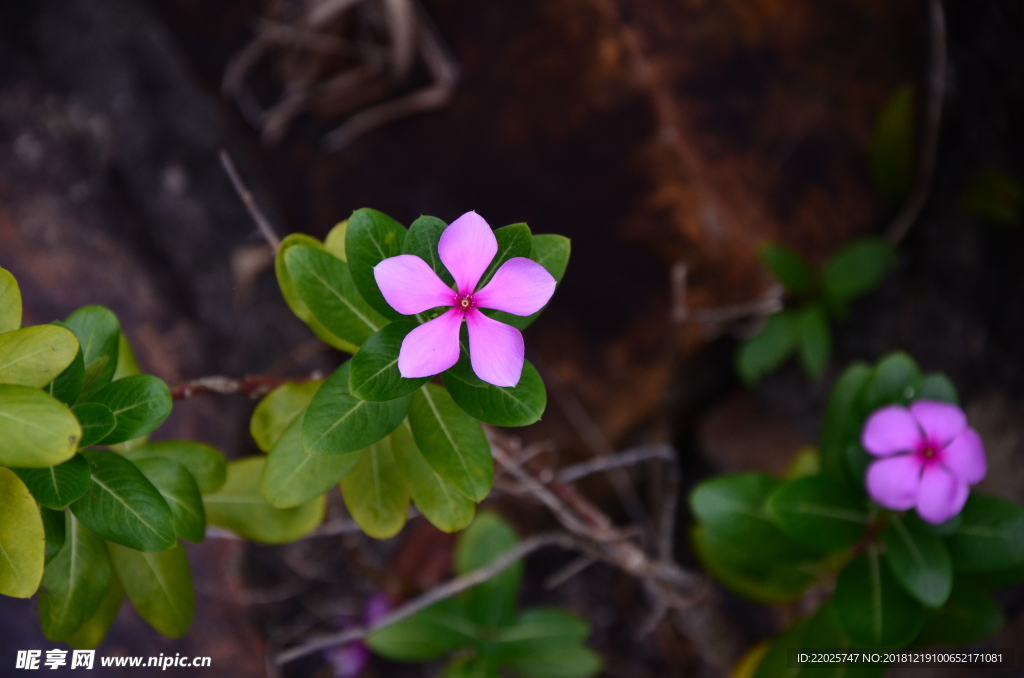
(464,302)
(929,452)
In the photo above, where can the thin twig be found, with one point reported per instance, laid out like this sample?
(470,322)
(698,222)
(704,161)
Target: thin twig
(266,230)
(932,121)
(630,457)
(255,386)
(568,572)
(434,595)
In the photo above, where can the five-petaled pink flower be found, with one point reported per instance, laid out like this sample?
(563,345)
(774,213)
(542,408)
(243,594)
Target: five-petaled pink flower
(520,287)
(929,457)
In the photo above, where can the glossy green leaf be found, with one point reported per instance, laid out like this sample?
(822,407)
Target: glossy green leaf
(514,240)
(97,422)
(278,410)
(422,240)
(74,582)
(937,386)
(371,237)
(994,195)
(22,538)
(53,526)
(427,635)
(824,634)
(37,431)
(789,267)
(920,562)
(57,486)
(140,404)
(775,663)
(969,616)
(10,302)
(337,422)
(178,488)
(324,283)
(842,422)
(99,334)
(891,149)
(519,405)
(493,603)
(206,464)
(444,506)
(990,535)
(768,349)
(159,586)
(239,506)
(872,607)
(68,384)
(291,294)
(90,634)
(893,380)
(821,513)
(857,269)
(375,493)
(374,371)
(122,506)
(552,252)
(334,242)
(815,340)
(35,356)
(292,476)
(452,442)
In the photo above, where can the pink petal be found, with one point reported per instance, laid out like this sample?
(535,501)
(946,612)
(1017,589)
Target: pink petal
(519,287)
(432,347)
(496,350)
(890,430)
(893,482)
(410,285)
(941,421)
(941,496)
(466,248)
(965,457)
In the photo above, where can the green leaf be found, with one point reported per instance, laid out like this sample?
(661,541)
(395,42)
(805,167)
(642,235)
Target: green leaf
(422,240)
(920,562)
(291,294)
(375,493)
(471,667)
(893,381)
(427,635)
(57,486)
(491,604)
(122,506)
(94,630)
(35,356)
(513,241)
(337,422)
(789,268)
(990,535)
(335,240)
(821,513)
(178,488)
(206,464)
(99,334)
(441,504)
(140,404)
(22,538)
(553,660)
(768,349)
(68,384)
(994,195)
(824,634)
(324,283)
(10,302)
(240,507)
(53,525)
(891,148)
(872,607)
(842,422)
(37,431)
(937,386)
(452,442)
(97,422)
(292,476)
(278,410)
(857,269)
(547,643)
(969,616)
(372,236)
(552,252)
(127,365)
(539,623)
(159,586)
(374,371)
(519,405)
(815,340)
(775,663)
(74,582)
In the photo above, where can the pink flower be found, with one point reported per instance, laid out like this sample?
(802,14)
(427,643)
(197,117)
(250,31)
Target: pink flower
(929,457)
(349,660)
(519,287)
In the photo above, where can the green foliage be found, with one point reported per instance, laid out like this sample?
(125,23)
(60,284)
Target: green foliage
(969,616)
(10,302)
(820,513)
(22,540)
(552,252)
(768,349)
(484,626)
(159,586)
(920,561)
(99,334)
(371,238)
(57,486)
(855,270)
(891,149)
(990,536)
(375,493)
(519,405)
(35,356)
(37,430)
(278,410)
(444,506)
(292,476)
(995,196)
(178,488)
(872,606)
(790,269)
(374,374)
(206,464)
(74,582)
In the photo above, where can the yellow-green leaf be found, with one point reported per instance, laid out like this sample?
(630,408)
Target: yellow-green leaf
(292,476)
(37,431)
(278,410)
(10,302)
(95,628)
(159,586)
(35,356)
(444,506)
(22,540)
(375,493)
